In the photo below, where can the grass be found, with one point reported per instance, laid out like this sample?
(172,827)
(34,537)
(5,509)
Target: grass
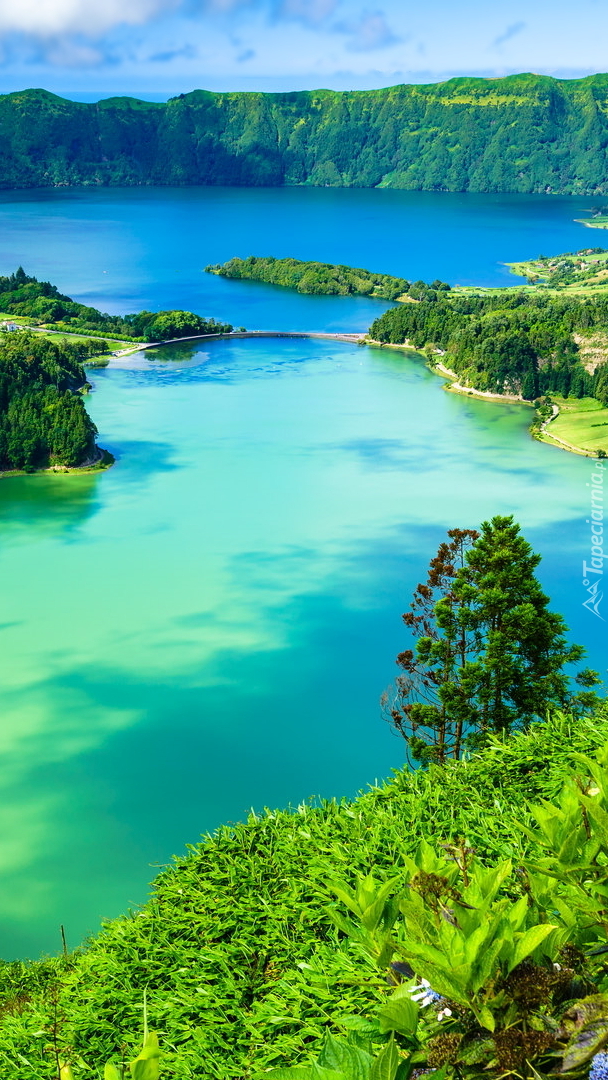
(583,422)
(599,221)
(241,964)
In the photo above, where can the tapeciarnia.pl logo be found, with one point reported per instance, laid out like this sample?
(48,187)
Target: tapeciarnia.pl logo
(593,571)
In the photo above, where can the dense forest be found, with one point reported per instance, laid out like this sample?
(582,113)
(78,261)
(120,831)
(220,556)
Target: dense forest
(526,133)
(505,342)
(43,304)
(320,278)
(43,420)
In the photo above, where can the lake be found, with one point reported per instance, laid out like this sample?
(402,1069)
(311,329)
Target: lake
(208,626)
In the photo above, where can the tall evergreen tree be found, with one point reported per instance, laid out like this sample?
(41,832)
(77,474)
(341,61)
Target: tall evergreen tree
(489,655)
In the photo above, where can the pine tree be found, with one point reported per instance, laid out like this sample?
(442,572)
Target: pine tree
(520,671)
(489,655)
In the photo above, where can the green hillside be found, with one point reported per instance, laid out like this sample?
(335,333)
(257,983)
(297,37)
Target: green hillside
(243,966)
(525,133)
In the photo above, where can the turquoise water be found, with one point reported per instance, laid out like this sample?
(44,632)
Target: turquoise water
(208,625)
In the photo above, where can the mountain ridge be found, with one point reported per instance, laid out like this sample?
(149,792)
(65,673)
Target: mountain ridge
(521,133)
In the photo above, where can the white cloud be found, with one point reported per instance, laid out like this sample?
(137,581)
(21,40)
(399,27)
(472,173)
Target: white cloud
(47,18)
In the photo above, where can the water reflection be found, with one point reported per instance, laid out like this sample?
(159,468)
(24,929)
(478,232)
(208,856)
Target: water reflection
(48,504)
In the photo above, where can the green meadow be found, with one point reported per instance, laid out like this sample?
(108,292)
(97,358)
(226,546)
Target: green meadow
(583,422)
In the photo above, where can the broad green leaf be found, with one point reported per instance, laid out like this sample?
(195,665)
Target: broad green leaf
(486,1018)
(485,966)
(357,1023)
(110,1072)
(65,1072)
(405,1069)
(517,913)
(145,1069)
(597,815)
(345,1058)
(528,942)
(386,1064)
(399,1013)
(317,1072)
(346,895)
(474,1051)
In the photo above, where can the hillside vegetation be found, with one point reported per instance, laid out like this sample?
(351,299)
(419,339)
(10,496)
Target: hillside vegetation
(508,341)
(43,305)
(43,420)
(237,950)
(526,133)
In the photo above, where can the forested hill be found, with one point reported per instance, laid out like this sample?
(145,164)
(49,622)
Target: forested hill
(526,133)
(322,279)
(43,421)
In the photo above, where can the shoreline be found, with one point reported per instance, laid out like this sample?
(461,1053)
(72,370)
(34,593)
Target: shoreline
(105,460)
(102,461)
(541,435)
(469,391)
(446,373)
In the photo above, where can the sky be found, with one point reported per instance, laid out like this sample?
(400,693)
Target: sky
(89,49)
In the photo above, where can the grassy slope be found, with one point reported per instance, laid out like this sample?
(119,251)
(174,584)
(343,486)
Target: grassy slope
(582,422)
(242,966)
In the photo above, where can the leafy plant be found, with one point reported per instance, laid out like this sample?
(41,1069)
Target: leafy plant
(246,970)
(144,1067)
(513,965)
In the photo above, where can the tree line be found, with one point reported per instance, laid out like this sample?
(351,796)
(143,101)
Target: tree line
(324,279)
(44,305)
(508,342)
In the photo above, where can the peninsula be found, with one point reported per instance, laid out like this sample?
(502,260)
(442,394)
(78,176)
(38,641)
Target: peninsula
(315,278)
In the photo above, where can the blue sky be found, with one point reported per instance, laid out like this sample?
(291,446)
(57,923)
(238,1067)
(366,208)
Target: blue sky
(91,48)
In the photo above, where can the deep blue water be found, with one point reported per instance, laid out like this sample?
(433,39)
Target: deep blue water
(127,249)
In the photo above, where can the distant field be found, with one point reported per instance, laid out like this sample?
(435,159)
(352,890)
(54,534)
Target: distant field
(600,221)
(114,343)
(582,422)
(580,272)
